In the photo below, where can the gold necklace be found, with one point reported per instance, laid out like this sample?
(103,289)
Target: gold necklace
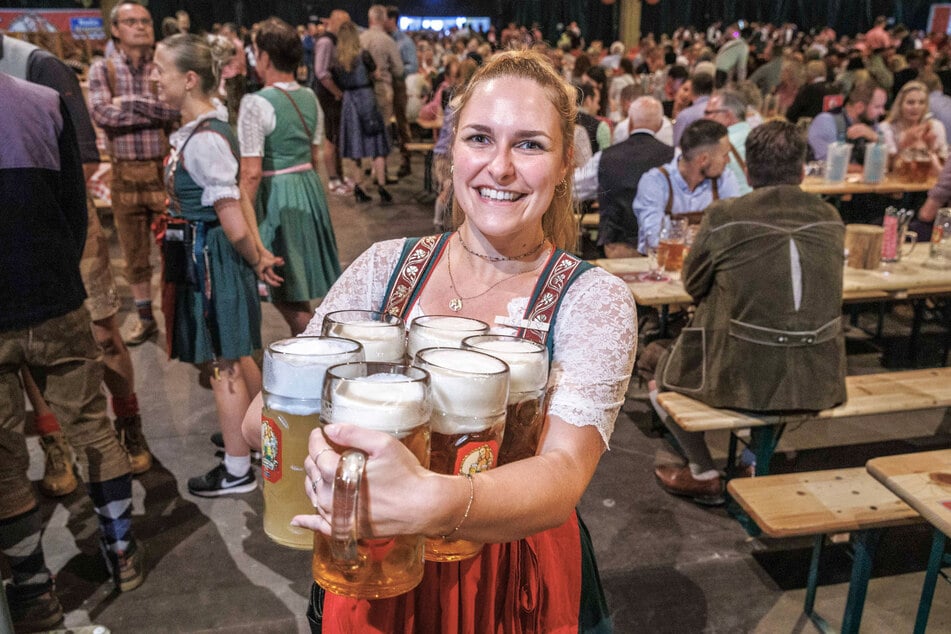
(496,258)
(455,303)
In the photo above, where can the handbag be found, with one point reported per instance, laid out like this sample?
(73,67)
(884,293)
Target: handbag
(177,252)
(371,121)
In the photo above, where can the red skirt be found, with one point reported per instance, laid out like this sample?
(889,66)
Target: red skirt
(532,585)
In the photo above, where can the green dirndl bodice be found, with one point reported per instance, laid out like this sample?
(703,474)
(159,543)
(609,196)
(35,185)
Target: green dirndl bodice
(220,318)
(292,213)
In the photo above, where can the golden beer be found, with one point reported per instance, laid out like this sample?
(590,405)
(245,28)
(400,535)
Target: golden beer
(470,391)
(293,378)
(384,397)
(528,377)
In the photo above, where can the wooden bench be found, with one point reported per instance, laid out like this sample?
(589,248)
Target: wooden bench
(883,393)
(820,503)
(419,146)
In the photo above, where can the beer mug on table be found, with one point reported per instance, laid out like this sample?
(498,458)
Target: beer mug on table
(940,255)
(386,397)
(528,379)
(441,331)
(382,335)
(896,236)
(470,392)
(293,380)
(672,243)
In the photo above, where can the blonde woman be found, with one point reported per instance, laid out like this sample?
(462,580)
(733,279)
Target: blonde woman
(911,134)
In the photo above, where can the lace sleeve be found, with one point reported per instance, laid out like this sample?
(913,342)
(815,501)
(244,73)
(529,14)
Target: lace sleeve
(256,120)
(595,341)
(362,285)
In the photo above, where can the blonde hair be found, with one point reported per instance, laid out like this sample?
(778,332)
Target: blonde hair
(894,115)
(202,56)
(348,45)
(558,222)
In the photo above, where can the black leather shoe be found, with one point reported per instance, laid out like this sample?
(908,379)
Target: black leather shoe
(385,197)
(360,195)
(404,171)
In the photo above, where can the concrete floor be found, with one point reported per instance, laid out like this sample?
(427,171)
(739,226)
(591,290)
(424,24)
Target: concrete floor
(666,564)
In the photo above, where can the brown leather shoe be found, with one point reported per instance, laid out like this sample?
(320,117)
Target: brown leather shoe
(129,430)
(58,477)
(679,481)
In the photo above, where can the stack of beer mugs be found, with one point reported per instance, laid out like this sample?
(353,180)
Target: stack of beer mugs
(451,409)
(470,391)
(293,377)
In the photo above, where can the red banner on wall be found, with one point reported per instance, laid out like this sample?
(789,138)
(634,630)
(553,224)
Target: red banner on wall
(82,24)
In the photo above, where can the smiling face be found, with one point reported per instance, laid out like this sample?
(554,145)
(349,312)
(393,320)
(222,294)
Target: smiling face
(172,83)
(508,157)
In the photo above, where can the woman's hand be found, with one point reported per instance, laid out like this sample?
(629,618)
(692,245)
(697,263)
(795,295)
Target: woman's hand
(394,492)
(264,268)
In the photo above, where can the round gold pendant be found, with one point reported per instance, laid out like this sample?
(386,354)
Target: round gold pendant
(455,304)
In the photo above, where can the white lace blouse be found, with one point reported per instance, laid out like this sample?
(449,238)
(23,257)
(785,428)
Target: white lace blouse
(595,334)
(257,119)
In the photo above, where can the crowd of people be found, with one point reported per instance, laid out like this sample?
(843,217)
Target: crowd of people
(216,142)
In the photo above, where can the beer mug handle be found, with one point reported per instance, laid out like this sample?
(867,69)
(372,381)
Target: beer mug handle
(911,237)
(346,506)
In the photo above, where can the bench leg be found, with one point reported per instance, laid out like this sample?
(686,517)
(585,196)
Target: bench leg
(763,441)
(931,576)
(864,544)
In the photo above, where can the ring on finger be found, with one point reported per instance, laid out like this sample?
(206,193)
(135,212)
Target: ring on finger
(317,457)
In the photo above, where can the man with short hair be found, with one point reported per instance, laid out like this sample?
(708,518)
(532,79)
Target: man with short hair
(386,55)
(695,178)
(407,50)
(126,107)
(330,97)
(44,325)
(856,122)
(612,175)
(765,273)
(701,87)
(729,108)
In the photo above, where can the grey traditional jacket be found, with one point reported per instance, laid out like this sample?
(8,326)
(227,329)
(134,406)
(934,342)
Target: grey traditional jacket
(766,274)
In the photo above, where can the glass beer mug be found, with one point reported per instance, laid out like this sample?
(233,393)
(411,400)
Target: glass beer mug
(386,397)
(293,378)
(940,255)
(446,331)
(383,336)
(528,379)
(470,392)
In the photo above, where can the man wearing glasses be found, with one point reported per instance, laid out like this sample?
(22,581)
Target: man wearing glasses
(125,105)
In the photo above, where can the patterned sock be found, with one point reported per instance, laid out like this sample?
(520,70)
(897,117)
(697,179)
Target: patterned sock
(46,424)
(125,406)
(237,466)
(21,544)
(144,308)
(112,500)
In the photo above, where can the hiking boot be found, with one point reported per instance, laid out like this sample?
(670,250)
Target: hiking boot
(126,567)
(129,430)
(219,482)
(35,614)
(142,331)
(58,477)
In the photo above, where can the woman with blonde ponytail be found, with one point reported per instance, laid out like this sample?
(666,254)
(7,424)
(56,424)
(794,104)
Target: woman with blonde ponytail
(210,299)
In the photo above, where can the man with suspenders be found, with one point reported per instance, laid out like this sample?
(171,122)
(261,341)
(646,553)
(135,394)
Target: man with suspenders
(684,187)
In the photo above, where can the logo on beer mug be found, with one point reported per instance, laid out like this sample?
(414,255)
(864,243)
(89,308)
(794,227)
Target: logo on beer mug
(270,450)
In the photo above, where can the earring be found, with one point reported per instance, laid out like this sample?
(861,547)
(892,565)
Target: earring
(452,167)
(561,189)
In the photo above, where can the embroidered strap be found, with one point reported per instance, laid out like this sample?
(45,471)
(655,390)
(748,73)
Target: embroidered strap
(560,271)
(414,267)
(299,113)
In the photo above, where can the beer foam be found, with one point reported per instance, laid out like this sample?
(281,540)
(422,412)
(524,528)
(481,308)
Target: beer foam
(465,382)
(442,331)
(381,341)
(527,361)
(383,402)
(295,368)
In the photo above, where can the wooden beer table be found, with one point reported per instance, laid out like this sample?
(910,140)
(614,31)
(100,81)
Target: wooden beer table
(923,482)
(853,185)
